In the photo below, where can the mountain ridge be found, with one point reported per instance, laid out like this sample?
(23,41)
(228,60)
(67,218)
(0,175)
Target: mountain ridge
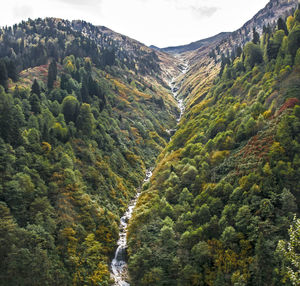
(192,46)
(84,111)
(265,16)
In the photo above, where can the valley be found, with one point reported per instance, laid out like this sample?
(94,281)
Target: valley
(122,164)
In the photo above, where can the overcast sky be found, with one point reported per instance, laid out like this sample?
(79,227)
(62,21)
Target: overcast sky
(158,22)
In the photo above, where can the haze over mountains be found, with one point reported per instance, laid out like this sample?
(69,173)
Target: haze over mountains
(86,112)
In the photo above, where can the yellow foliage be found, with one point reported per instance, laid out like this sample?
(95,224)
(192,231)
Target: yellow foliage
(276,148)
(267,114)
(267,169)
(69,66)
(132,158)
(243,105)
(218,156)
(100,274)
(236,106)
(290,22)
(46,147)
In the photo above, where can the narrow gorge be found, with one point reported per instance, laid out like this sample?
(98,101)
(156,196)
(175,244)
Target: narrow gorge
(119,267)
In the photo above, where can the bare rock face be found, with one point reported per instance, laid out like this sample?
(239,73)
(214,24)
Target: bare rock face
(266,16)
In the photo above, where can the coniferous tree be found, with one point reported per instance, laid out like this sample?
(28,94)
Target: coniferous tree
(239,51)
(35,103)
(52,74)
(35,88)
(281,25)
(3,74)
(255,36)
(84,91)
(11,69)
(63,81)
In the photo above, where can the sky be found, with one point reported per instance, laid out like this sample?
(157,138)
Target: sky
(153,22)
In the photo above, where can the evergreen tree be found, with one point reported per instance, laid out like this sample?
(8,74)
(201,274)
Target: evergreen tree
(52,74)
(281,25)
(63,81)
(3,74)
(255,36)
(11,69)
(35,103)
(239,51)
(35,88)
(85,120)
(84,91)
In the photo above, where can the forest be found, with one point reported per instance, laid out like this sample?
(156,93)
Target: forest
(85,111)
(77,131)
(220,208)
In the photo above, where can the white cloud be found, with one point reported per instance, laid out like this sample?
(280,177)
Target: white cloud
(20,11)
(80,2)
(158,22)
(204,11)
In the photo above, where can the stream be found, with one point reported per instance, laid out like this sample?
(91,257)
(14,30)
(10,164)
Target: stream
(118,264)
(119,271)
(175,86)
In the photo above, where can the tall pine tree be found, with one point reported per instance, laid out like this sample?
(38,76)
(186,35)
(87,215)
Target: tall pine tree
(3,74)
(255,36)
(52,74)
(35,88)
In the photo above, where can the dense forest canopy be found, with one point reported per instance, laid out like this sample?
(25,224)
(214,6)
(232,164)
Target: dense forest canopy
(226,188)
(85,111)
(78,130)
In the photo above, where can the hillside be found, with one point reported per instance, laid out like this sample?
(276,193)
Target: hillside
(81,119)
(193,46)
(226,188)
(207,61)
(86,112)
(267,16)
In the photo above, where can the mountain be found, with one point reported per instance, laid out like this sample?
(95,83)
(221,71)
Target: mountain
(85,111)
(193,46)
(132,53)
(207,61)
(266,16)
(221,207)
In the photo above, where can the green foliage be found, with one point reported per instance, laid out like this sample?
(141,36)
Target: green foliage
(255,37)
(229,176)
(294,40)
(290,251)
(75,141)
(70,108)
(3,74)
(35,88)
(253,55)
(52,74)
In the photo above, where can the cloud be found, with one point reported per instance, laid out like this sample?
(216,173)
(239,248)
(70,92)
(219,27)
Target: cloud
(80,2)
(22,11)
(203,11)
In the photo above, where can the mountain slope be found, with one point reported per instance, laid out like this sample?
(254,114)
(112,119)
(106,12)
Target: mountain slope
(226,187)
(266,16)
(206,62)
(83,112)
(193,46)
